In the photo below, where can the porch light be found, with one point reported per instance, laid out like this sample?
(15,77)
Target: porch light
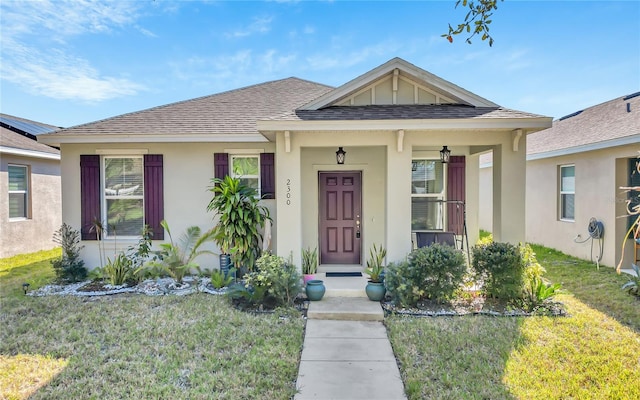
(340,155)
(445,154)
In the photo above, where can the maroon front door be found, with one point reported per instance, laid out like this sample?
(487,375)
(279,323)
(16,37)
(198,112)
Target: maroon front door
(340,217)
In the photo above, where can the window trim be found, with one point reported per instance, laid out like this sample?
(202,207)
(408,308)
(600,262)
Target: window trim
(256,156)
(562,193)
(441,196)
(26,192)
(103,196)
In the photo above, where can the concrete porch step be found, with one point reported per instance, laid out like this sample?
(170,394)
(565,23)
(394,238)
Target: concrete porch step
(351,286)
(346,309)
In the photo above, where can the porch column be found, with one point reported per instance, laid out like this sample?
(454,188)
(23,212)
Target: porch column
(398,200)
(509,184)
(288,226)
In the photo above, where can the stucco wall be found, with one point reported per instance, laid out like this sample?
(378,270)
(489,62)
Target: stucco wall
(188,170)
(36,232)
(485,217)
(598,176)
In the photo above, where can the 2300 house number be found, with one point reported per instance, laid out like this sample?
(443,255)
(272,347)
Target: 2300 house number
(288,192)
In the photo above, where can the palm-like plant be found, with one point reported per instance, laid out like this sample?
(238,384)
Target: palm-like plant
(177,258)
(239,219)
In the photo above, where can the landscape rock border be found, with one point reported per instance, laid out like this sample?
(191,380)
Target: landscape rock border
(149,287)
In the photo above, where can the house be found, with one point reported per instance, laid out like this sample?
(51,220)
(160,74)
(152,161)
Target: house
(575,170)
(29,187)
(339,168)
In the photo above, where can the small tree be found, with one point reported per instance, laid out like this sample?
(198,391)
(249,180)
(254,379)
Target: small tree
(69,267)
(239,219)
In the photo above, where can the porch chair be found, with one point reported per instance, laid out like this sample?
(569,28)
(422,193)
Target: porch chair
(425,239)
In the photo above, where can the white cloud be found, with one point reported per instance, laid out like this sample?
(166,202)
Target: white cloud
(335,58)
(259,25)
(61,76)
(45,66)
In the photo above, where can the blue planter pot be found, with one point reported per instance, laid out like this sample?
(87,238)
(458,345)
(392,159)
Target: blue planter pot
(375,291)
(315,289)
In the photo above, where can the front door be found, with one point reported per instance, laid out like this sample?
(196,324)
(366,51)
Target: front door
(340,217)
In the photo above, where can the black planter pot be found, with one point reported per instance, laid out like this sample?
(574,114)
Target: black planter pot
(225,264)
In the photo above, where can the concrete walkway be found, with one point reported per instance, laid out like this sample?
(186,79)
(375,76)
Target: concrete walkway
(346,353)
(348,360)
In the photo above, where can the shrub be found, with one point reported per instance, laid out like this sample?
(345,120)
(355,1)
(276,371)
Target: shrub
(501,269)
(69,267)
(219,279)
(119,271)
(433,272)
(633,286)
(178,258)
(275,282)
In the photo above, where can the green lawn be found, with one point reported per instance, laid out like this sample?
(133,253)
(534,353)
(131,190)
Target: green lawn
(592,354)
(133,346)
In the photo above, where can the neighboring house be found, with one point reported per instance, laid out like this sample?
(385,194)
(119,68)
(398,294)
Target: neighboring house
(283,136)
(29,187)
(575,170)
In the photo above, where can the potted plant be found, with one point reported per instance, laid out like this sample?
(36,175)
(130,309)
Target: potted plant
(240,218)
(309,264)
(375,267)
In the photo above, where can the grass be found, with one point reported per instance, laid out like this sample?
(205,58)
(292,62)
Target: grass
(593,353)
(32,268)
(133,346)
(598,288)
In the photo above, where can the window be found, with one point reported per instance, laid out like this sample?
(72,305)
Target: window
(567,192)
(123,196)
(247,169)
(427,190)
(18,191)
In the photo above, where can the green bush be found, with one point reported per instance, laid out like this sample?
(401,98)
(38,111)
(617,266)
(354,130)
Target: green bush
(120,270)
(274,283)
(501,270)
(433,272)
(69,267)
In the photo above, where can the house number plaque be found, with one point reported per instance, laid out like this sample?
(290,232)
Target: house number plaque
(288,192)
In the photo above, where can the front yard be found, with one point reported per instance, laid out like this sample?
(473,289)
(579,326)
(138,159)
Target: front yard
(592,354)
(135,346)
(197,346)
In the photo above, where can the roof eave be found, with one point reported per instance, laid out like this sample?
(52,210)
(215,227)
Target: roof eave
(57,140)
(29,153)
(628,140)
(529,124)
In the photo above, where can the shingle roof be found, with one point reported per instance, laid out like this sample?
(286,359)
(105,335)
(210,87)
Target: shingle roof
(232,112)
(9,138)
(385,112)
(600,123)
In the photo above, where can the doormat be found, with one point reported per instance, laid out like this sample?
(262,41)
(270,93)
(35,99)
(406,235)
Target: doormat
(342,274)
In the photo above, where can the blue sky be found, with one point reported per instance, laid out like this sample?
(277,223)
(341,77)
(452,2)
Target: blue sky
(77,61)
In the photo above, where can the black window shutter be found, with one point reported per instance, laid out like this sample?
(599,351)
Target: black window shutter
(154,194)
(267,176)
(220,165)
(455,191)
(89,195)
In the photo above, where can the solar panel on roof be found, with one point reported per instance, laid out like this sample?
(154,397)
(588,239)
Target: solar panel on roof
(631,96)
(28,127)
